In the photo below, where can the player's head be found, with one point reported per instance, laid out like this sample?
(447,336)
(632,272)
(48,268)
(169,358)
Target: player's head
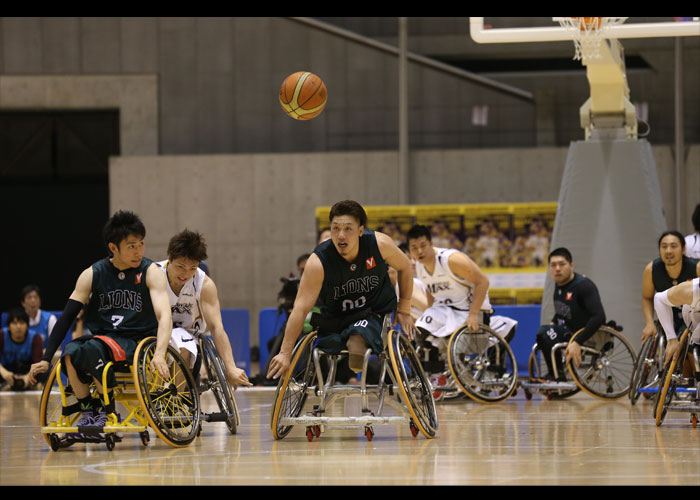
(671,247)
(561,265)
(420,244)
(323,235)
(301,263)
(696,218)
(17,323)
(185,251)
(30,298)
(123,234)
(348,220)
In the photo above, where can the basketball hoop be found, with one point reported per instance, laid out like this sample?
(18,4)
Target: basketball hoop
(588,33)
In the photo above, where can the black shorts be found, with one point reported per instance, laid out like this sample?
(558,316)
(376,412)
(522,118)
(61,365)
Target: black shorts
(90,354)
(370,327)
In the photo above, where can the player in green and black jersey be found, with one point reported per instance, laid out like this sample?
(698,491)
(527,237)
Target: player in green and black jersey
(349,274)
(126,301)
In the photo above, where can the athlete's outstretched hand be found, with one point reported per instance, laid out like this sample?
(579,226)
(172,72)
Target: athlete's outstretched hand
(406,322)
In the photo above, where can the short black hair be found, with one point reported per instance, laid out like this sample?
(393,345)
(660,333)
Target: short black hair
(303,257)
(677,234)
(561,252)
(417,231)
(29,289)
(349,207)
(122,225)
(696,218)
(17,313)
(188,244)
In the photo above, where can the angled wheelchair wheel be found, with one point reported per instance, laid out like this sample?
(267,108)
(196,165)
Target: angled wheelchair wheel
(414,388)
(171,405)
(537,369)
(648,368)
(670,380)
(291,393)
(219,385)
(51,406)
(482,364)
(607,363)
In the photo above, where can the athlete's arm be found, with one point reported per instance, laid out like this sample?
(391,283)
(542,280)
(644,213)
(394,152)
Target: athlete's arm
(463,267)
(79,297)
(395,258)
(648,303)
(309,289)
(212,316)
(590,299)
(664,302)
(156,282)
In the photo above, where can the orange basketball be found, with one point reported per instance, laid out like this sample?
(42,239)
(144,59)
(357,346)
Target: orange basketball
(303,95)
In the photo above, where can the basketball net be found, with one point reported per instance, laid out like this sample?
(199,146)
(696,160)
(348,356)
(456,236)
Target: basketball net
(588,33)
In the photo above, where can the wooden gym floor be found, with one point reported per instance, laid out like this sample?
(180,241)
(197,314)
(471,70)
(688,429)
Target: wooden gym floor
(578,441)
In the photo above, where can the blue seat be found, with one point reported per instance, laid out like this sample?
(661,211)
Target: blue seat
(528,318)
(269,324)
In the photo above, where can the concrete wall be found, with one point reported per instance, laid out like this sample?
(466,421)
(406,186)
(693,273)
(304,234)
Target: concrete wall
(257,211)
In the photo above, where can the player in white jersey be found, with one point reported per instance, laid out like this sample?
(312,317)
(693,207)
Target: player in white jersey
(687,296)
(457,289)
(194,303)
(457,292)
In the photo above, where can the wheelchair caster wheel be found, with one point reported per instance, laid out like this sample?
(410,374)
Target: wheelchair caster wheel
(694,421)
(369,433)
(309,434)
(109,440)
(55,442)
(414,429)
(145,437)
(317,431)
(528,395)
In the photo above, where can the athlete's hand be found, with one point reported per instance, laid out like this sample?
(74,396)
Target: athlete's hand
(36,369)
(237,376)
(648,331)
(672,350)
(406,322)
(473,322)
(573,353)
(279,366)
(158,364)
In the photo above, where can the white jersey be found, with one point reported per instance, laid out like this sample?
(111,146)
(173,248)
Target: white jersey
(185,307)
(692,246)
(691,313)
(446,288)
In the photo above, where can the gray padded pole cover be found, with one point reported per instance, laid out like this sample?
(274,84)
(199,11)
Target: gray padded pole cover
(610,216)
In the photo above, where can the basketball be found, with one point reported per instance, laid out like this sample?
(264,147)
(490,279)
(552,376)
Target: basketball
(303,95)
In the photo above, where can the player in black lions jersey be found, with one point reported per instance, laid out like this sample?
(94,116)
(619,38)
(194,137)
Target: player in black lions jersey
(349,275)
(126,301)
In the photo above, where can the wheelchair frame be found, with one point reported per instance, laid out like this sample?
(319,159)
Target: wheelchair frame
(170,407)
(676,392)
(218,383)
(595,360)
(649,368)
(470,368)
(305,378)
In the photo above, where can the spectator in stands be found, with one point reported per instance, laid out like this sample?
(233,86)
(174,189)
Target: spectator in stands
(323,235)
(692,241)
(301,263)
(41,322)
(20,347)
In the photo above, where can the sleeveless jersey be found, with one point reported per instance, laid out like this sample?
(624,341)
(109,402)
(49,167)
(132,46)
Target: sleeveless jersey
(351,287)
(446,288)
(120,302)
(185,308)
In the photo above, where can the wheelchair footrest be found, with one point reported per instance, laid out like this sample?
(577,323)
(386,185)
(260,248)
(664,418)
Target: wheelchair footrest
(353,421)
(548,386)
(687,406)
(92,429)
(215,417)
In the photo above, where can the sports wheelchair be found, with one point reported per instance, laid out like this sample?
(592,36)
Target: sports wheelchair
(607,363)
(140,399)
(678,391)
(649,367)
(216,382)
(311,379)
(481,365)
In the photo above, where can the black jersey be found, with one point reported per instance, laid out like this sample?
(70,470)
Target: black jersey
(351,287)
(577,305)
(120,302)
(662,281)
